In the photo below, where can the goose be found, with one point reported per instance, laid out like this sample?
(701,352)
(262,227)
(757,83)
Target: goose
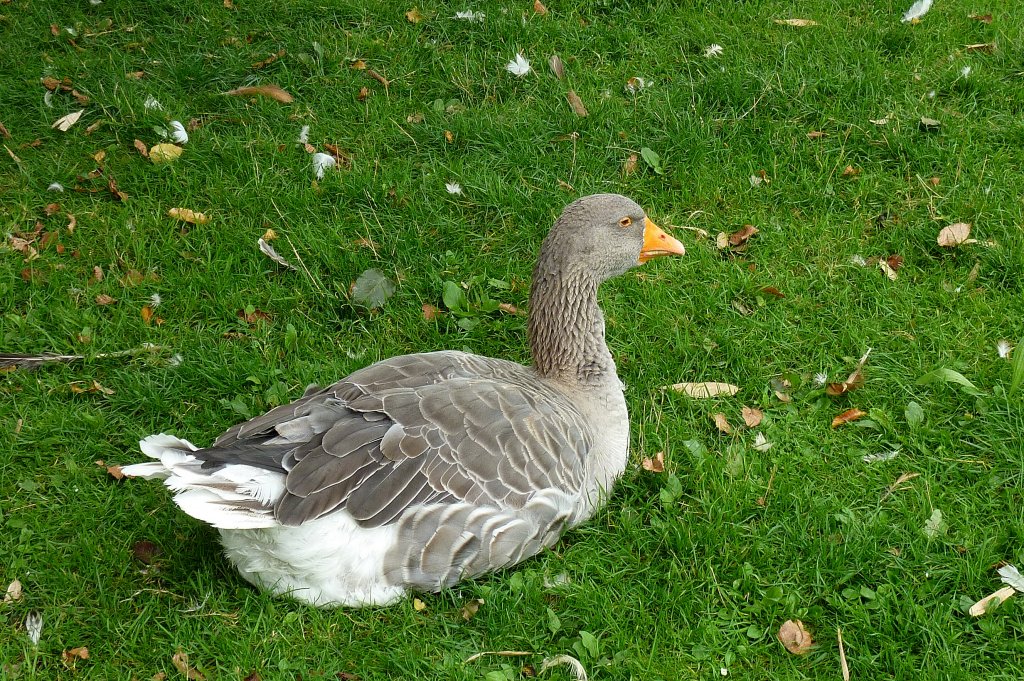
(423,470)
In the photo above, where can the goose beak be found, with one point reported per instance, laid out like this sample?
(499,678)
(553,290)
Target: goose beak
(657,243)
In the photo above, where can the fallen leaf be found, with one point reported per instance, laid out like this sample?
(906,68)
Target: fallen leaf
(847,416)
(655,464)
(64,123)
(188,215)
(796,22)
(51,208)
(509,308)
(929,124)
(145,551)
(954,235)
(363,93)
(372,289)
(722,241)
(752,416)
(272,91)
(772,291)
(557,66)
(448,136)
(852,382)
(430,312)
(104,299)
(147,314)
(180,662)
(635,85)
(705,390)
(115,191)
(50,83)
(850,171)
(254,316)
(761,443)
(935,526)
(4,132)
(418,605)
(991,601)
(629,165)
(471,608)
(13,592)
(816,134)
(795,637)
(80,387)
(140,147)
(414,16)
(358,65)
(983,18)
(539,8)
(134,75)
(721,423)
(99,156)
(887,269)
(164,152)
(75,654)
(414,118)
(741,236)
(113,471)
(576,103)
(843,666)
(895,262)
(269,60)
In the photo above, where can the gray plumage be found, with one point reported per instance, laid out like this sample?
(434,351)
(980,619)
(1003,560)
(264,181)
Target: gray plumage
(465,464)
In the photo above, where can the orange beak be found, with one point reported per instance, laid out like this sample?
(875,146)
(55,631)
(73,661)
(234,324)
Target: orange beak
(657,243)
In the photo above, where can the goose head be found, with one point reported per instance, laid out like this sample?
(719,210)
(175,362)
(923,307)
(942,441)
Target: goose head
(605,235)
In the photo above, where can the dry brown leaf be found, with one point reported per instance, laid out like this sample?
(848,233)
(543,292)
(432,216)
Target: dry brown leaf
(954,235)
(721,423)
(134,75)
(471,608)
(97,275)
(115,191)
(113,471)
(80,387)
(983,18)
(14,592)
(702,391)
(852,382)
(576,103)
(847,416)
(796,22)
(180,662)
(509,308)
(752,416)
(982,606)
(64,123)
(539,8)
(188,215)
(430,312)
(269,60)
(414,16)
(140,147)
(772,291)
(104,299)
(147,314)
(75,654)
(229,4)
(364,92)
(629,165)
(358,65)
(253,317)
(145,551)
(795,637)
(51,208)
(655,464)
(557,66)
(99,156)
(50,83)
(4,132)
(850,171)
(934,181)
(272,91)
(816,134)
(741,236)
(843,666)
(164,152)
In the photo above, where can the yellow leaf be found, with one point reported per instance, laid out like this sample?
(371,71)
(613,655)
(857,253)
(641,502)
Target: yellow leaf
(418,605)
(414,15)
(188,215)
(164,153)
(269,235)
(702,391)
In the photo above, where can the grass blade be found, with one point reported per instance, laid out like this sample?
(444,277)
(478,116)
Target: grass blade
(1018,368)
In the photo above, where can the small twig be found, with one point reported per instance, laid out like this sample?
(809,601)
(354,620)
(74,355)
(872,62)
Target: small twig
(895,487)
(502,653)
(763,501)
(842,655)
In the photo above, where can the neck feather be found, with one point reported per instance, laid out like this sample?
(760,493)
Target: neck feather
(566,327)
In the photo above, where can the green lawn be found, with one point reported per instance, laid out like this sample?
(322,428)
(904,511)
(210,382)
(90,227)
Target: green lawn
(686,573)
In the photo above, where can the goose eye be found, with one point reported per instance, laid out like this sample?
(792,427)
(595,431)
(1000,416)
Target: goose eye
(625,222)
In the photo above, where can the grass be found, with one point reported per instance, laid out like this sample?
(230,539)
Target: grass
(679,577)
